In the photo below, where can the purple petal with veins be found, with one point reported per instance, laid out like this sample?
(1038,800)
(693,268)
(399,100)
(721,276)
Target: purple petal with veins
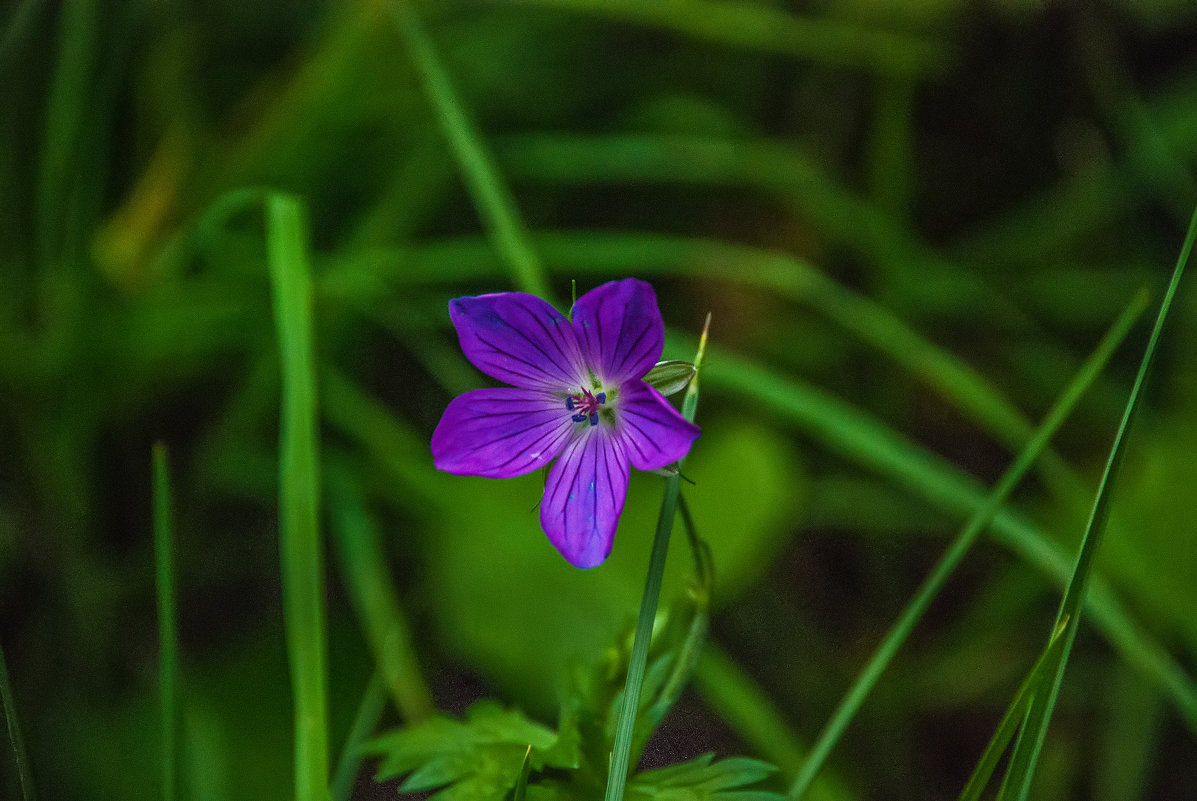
(500,433)
(651,432)
(584,497)
(520,339)
(577,396)
(619,329)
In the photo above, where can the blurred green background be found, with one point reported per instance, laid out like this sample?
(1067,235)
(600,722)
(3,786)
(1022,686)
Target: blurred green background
(911,223)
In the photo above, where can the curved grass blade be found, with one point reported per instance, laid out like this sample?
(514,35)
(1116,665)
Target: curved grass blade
(866,441)
(168,635)
(768,29)
(951,559)
(491,195)
(299,490)
(1026,754)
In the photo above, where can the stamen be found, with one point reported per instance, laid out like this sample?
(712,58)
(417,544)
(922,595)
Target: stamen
(585,406)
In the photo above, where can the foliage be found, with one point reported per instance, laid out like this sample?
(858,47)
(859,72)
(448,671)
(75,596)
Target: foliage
(912,224)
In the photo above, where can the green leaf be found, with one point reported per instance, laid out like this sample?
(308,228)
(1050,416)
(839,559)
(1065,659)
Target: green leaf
(481,757)
(670,377)
(703,778)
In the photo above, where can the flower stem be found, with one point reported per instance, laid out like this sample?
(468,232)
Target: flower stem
(617,775)
(168,634)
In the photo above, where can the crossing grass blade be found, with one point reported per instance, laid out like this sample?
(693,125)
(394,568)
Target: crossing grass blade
(867,441)
(492,197)
(766,29)
(168,635)
(1006,730)
(951,559)
(299,490)
(1025,758)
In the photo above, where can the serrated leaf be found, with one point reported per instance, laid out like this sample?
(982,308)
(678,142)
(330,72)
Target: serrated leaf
(477,758)
(703,779)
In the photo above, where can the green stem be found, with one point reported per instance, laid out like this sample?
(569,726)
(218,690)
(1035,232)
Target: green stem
(168,636)
(299,488)
(617,776)
(369,712)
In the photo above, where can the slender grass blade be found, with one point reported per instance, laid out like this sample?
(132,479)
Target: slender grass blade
(1026,754)
(299,489)
(168,635)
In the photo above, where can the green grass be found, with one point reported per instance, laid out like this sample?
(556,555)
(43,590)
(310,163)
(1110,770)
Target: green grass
(230,234)
(168,623)
(1026,754)
(301,549)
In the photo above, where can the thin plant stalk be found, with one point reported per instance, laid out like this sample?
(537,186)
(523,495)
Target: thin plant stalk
(1023,761)
(1010,724)
(960,547)
(168,634)
(617,775)
(369,712)
(301,553)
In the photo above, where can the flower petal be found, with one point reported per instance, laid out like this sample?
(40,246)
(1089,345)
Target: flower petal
(584,496)
(518,338)
(500,432)
(619,329)
(650,430)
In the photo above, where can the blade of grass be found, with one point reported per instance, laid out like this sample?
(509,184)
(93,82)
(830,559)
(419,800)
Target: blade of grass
(868,442)
(744,706)
(492,197)
(299,489)
(1026,754)
(617,774)
(771,167)
(168,634)
(951,559)
(1009,724)
(67,105)
(369,712)
(374,596)
(769,29)
(15,740)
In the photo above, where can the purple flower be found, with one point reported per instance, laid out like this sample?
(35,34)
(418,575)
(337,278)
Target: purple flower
(576,394)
